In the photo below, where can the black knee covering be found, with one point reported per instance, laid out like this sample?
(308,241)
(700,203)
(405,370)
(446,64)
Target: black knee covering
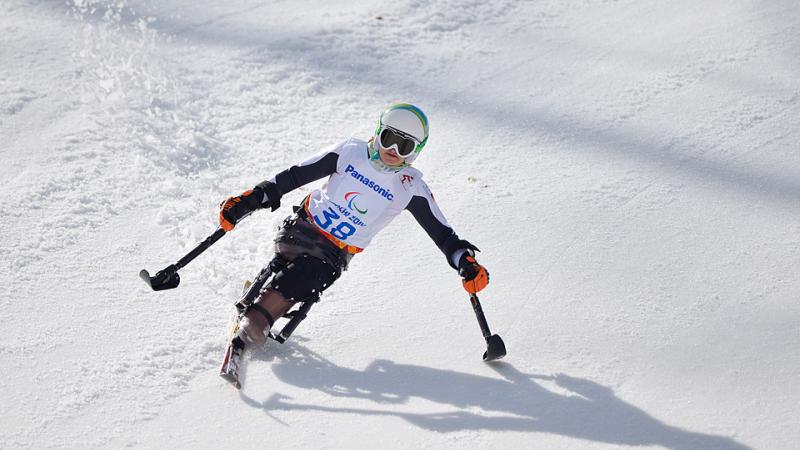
(304,279)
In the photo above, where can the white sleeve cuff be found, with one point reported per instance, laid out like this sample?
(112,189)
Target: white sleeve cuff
(457,255)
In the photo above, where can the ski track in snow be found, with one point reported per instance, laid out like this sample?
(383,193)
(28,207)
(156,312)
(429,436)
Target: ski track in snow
(629,169)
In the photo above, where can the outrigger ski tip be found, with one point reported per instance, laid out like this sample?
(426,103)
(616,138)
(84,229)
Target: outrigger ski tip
(495,348)
(164,279)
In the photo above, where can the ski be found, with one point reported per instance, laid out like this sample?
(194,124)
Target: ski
(234,350)
(235,347)
(233,357)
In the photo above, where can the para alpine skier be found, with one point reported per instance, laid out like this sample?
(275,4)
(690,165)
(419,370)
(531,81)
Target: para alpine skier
(369,183)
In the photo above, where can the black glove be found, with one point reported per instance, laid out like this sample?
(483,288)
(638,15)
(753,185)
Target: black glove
(234,209)
(475,276)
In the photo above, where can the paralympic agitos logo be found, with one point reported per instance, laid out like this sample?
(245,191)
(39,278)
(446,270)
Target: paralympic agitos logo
(350,198)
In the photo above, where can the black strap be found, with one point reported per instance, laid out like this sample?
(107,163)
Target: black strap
(264,313)
(300,209)
(273,194)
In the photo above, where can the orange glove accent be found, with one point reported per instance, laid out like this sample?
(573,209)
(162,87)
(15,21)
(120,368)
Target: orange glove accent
(480,279)
(232,210)
(227,226)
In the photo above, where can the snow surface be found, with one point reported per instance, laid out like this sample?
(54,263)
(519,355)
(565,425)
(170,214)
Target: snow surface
(629,169)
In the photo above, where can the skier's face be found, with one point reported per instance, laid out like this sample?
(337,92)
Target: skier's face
(389,157)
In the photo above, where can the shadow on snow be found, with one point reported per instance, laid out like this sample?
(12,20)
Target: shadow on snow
(517,402)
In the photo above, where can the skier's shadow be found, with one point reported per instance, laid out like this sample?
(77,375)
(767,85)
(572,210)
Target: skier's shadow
(573,407)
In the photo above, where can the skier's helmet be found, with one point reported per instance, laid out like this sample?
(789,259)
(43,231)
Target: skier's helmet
(403,127)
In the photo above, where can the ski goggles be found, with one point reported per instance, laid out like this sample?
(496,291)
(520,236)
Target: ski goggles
(403,144)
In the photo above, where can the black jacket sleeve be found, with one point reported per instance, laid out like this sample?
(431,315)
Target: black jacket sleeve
(442,235)
(296,176)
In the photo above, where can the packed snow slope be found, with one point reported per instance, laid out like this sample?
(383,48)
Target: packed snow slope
(630,171)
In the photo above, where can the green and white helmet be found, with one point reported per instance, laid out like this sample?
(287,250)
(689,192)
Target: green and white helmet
(403,127)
